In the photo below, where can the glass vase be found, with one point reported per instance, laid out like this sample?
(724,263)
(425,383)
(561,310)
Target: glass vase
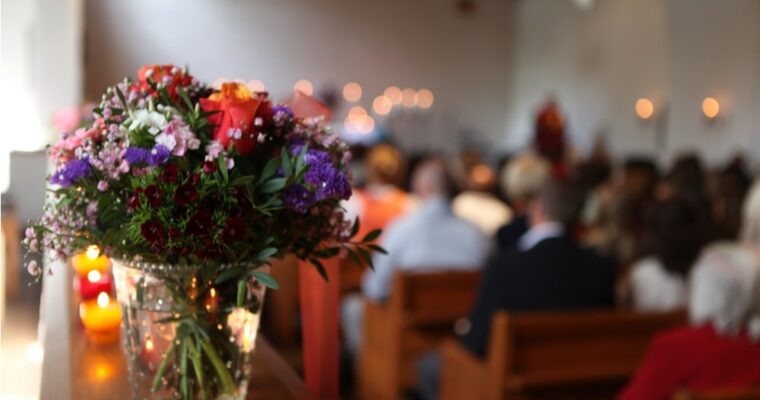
(189,332)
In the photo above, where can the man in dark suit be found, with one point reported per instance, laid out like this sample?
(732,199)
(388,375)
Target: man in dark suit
(545,270)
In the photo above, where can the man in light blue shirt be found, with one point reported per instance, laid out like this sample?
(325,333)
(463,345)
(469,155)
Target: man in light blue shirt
(430,238)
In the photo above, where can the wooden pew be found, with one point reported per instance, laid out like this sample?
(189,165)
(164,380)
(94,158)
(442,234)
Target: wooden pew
(419,314)
(550,355)
(752,393)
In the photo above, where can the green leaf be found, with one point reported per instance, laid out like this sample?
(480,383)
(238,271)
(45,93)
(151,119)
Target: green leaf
(241,292)
(228,274)
(377,248)
(185,97)
(287,165)
(320,268)
(267,252)
(222,168)
(355,257)
(355,228)
(372,235)
(243,180)
(270,169)
(275,185)
(266,279)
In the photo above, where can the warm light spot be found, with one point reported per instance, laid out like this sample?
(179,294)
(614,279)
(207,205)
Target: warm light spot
(102,371)
(408,97)
(35,352)
(424,98)
(382,105)
(304,86)
(212,292)
(349,126)
(352,91)
(257,86)
(93,252)
(208,307)
(356,111)
(149,344)
(94,276)
(394,94)
(710,107)
(644,108)
(193,282)
(103,300)
(365,124)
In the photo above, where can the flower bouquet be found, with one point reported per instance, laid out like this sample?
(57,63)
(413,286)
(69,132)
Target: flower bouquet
(191,191)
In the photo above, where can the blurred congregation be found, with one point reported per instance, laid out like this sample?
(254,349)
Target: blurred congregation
(568,190)
(544,233)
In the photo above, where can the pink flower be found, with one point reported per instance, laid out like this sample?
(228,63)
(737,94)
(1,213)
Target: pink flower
(213,150)
(102,186)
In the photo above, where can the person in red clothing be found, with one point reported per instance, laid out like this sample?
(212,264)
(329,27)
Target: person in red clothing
(721,348)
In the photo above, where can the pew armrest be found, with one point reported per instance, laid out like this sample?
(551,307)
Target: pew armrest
(463,375)
(751,393)
(565,377)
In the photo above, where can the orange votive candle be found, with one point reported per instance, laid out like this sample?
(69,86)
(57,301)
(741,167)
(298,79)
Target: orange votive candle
(101,318)
(90,260)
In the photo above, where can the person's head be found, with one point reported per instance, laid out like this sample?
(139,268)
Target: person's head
(725,289)
(523,176)
(557,202)
(751,216)
(384,165)
(687,177)
(675,234)
(431,179)
(639,178)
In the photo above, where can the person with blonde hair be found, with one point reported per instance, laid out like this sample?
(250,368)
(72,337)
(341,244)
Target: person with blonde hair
(721,347)
(522,178)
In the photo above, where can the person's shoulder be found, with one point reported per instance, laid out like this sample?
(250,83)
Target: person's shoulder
(681,337)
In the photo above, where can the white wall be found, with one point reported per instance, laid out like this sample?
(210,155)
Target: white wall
(675,52)
(489,72)
(418,44)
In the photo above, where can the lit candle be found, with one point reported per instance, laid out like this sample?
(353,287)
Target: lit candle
(101,318)
(93,284)
(90,260)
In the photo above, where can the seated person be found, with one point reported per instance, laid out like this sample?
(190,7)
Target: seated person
(674,237)
(750,233)
(721,348)
(546,270)
(426,239)
(521,179)
(478,203)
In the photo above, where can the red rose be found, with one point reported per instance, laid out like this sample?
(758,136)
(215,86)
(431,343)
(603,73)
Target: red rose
(235,112)
(169,76)
(153,194)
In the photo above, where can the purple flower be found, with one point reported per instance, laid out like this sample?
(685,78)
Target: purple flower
(282,108)
(299,198)
(325,181)
(136,155)
(158,155)
(72,172)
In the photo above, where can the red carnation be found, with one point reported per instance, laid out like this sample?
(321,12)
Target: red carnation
(170,173)
(168,75)
(134,201)
(234,230)
(200,223)
(153,194)
(185,195)
(153,231)
(209,167)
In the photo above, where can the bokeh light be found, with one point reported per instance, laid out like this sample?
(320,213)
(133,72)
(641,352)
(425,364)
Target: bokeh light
(644,108)
(408,97)
(304,86)
(352,91)
(393,93)
(382,105)
(257,86)
(424,98)
(710,107)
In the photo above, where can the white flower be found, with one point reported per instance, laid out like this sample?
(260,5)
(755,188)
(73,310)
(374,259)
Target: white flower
(153,120)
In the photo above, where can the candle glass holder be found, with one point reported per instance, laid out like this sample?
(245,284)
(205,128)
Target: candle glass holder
(189,331)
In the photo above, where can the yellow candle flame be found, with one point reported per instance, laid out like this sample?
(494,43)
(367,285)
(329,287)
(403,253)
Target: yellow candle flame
(93,252)
(149,344)
(103,300)
(94,276)
(212,292)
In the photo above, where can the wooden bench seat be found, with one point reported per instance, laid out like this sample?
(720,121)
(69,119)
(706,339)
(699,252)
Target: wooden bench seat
(578,354)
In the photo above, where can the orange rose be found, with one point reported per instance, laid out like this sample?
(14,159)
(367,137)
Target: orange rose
(234,120)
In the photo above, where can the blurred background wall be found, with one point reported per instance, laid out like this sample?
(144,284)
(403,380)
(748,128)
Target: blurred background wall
(489,67)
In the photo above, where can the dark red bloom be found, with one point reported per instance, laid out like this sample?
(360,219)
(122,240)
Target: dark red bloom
(153,194)
(185,194)
(167,75)
(170,173)
(209,167)
(200,223)
(195,178)
(134,201)
(153,231)
(233,230)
